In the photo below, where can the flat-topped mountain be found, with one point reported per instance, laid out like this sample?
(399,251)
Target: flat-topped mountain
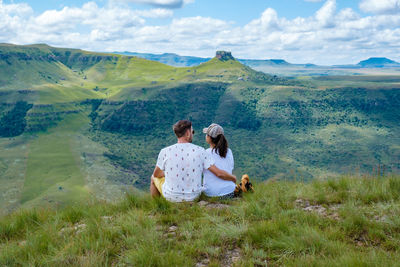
(378,62)
(224,55)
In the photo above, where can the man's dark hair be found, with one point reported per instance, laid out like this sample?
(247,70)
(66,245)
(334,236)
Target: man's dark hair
(181,127)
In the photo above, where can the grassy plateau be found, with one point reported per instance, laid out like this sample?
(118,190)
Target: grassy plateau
(347,221)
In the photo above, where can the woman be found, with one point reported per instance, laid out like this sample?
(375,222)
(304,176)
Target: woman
(223,158)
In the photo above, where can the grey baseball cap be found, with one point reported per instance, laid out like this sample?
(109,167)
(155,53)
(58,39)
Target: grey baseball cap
(213,130)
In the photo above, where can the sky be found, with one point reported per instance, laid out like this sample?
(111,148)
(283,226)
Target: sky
(324,32)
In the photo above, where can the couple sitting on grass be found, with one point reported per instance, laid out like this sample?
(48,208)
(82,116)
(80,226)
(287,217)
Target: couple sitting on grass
(179,169)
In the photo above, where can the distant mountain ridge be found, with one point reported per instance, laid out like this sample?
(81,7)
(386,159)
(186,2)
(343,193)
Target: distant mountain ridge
(190,61)
(168,58)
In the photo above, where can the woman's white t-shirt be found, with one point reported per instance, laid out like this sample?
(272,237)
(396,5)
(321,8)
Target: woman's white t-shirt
(214,186)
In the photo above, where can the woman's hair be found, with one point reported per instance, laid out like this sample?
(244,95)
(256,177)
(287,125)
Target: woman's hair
(221,145)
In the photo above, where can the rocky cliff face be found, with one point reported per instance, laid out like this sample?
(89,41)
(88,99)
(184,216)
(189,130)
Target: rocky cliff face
(224,55)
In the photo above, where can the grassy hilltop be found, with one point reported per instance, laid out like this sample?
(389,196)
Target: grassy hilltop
(75,124)
(350,221)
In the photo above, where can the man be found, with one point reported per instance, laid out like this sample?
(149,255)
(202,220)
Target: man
(179,168)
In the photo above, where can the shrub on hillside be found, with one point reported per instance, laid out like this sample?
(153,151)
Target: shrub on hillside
(14,123)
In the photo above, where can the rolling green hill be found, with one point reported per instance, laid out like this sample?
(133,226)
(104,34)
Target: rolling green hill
(76,124)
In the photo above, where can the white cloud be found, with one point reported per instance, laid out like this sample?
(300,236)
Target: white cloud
(160,3)
(155,13)
(347,14)
(330,36)
(114,18)
(15,9)
(381,6)
(197,25)
(326,14)
(268,20)
(12,19)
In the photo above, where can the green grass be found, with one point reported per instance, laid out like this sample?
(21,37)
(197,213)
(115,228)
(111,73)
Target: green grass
(53,94)
(13,158)
(53,168)
(266,227)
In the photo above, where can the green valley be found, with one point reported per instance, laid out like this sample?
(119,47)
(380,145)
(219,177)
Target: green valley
(76,124)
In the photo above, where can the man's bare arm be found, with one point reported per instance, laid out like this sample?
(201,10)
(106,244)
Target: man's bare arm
(222,174)
(158,173)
